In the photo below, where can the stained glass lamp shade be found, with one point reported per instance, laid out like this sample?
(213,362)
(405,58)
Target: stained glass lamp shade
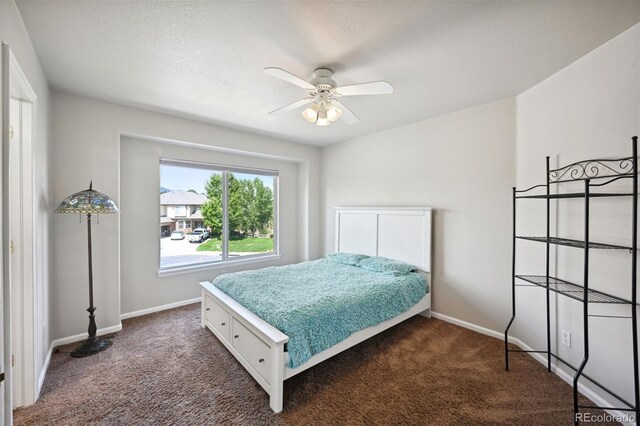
(89,202)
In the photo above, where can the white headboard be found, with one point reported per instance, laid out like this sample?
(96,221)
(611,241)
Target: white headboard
(402,233)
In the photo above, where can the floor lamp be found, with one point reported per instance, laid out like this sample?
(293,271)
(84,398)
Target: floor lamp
(89,202)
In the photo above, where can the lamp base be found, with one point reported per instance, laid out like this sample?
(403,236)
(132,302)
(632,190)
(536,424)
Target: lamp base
(91,346)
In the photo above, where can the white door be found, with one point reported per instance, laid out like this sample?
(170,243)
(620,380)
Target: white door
(16,252)
(18,292)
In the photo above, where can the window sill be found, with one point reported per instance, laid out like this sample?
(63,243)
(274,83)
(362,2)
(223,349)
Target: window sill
(217,265)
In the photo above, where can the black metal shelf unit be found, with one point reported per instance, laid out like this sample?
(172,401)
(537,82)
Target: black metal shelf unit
(594,174)
(574,243)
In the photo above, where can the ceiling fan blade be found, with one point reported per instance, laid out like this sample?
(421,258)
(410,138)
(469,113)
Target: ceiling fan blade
(287,76)
(292,106)
(347,115)
(372,88)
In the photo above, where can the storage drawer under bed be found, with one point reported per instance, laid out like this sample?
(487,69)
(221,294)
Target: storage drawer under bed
(256,352)
(218,317)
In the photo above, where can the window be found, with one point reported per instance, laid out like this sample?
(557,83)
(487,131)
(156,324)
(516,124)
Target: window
(236,206)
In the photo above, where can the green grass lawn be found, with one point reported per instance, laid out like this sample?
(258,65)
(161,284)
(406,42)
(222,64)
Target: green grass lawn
(240,245)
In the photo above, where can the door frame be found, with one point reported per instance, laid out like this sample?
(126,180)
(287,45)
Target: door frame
(20,88)
(7,413)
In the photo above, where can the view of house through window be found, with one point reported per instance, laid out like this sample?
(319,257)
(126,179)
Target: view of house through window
(210,213)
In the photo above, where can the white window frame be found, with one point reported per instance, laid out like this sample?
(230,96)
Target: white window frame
(225,260)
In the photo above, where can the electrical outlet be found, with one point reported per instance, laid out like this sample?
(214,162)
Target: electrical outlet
(566,338)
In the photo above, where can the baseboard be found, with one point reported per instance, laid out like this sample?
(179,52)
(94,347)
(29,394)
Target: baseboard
(116,328)
(584,389)
(43,372)
(159,308)
(465,324)
(82,336)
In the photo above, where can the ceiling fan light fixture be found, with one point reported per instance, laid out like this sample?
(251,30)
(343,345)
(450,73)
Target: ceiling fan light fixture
(322,117)
(322,90)
(311,114)
(333,112)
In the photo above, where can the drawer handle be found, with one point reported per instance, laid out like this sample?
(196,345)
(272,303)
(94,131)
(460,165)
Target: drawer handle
(236,336)
(261,360)
(208,309)
(223,323)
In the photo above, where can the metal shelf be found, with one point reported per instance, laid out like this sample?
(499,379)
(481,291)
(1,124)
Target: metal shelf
(572,290)
(575,243)
(576,195)
(594,175)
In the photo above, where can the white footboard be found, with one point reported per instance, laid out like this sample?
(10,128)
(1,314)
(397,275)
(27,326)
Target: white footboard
(259,346)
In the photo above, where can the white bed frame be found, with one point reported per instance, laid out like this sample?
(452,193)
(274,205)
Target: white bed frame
(398,233)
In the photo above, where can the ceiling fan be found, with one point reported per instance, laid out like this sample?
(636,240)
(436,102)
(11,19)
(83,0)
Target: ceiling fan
(323,92)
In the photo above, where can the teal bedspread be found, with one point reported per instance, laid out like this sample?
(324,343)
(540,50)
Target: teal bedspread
(320,303)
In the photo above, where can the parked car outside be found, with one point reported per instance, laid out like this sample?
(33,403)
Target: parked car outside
(198,235)
(177,235)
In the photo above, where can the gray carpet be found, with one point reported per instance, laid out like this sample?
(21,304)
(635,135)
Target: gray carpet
(163,369)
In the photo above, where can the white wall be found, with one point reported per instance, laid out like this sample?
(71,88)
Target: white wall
(87,136)
(588,110)
(461,165)
(13,33)
(141,288)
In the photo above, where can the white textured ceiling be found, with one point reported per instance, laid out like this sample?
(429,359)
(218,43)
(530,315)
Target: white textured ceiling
(204,59)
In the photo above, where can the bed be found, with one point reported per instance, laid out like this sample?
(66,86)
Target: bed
(280,321)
